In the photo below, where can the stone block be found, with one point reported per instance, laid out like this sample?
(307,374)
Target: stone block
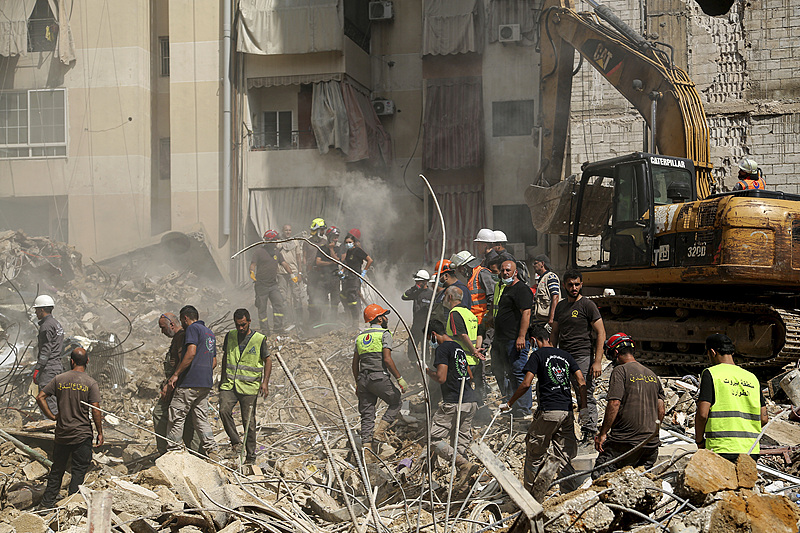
(30,523)
(753,513)
(706,473)
(153,477)
(596,519)
(746,473)
(34,470)
(629,489)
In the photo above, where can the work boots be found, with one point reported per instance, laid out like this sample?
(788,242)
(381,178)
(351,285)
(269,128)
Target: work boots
(466,469)
(380,431)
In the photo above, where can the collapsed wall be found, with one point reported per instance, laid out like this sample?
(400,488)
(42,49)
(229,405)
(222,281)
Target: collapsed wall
(743,64)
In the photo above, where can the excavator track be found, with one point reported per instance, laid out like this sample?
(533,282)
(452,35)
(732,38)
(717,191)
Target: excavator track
(770,332)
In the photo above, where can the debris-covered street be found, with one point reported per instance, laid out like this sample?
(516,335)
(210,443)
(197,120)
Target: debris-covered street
(309,474)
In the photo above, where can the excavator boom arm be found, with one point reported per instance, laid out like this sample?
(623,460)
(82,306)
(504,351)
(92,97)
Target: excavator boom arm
(641,73)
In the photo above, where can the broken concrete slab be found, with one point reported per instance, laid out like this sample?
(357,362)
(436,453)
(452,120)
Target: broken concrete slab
(29,523)
(746,472)
(189,476)
(629,489)
(783,431)
(706,473)
(34,471)
(581,511)
(133,499)
(753,513)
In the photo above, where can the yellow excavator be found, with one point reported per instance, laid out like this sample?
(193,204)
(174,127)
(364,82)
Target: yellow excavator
(683,260)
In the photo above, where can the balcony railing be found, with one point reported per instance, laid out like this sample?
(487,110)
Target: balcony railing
(294,140)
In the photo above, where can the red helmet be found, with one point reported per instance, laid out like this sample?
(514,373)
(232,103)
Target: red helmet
(617,341)
(355,232)
(332,232)
(373,311)
(270,235)
(443,266)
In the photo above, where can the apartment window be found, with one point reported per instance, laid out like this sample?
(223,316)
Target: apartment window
(163,46)
(163,159)
(512,118)
(33,123)
(42,28)
(278,129)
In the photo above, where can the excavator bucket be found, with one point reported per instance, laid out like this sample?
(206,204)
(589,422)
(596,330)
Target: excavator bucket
(552,208)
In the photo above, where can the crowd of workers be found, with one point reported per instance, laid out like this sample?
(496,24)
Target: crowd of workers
(487,312)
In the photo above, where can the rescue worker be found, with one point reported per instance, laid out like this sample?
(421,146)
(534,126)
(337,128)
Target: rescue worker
(750,176)
(73,439)
(421,295)
(360,261)
(500,241)
(446,273)
(635,401)
(313,272)
(171,328)
(50,343)
(264,273)
(550,445)
(548,292)
(485,248)
(329,273)
(292,291)
(452,374)
(372,363)
(462,327)
(246,367)
(731,409)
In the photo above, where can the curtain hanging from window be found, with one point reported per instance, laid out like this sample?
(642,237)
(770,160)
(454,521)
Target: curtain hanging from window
(452,27)
(14,26)
(453,123)
(464,214)
(368,139)
(268,27)
(329,118)
(298,206)
(65,46)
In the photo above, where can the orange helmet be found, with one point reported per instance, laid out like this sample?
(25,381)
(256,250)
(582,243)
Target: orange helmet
(443,266)
(373,311)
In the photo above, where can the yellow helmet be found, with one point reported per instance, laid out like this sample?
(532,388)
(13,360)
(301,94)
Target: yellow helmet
(318,225)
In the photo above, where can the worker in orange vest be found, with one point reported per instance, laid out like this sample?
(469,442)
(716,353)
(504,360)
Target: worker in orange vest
(750,176)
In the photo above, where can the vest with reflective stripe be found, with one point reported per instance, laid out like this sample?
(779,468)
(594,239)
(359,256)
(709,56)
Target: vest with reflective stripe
(369,345)
(753,184)
(734,421)
(478,295)
(498,292)
(243,370)
(471,322)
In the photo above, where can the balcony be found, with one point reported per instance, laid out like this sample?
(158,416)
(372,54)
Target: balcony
(292,140)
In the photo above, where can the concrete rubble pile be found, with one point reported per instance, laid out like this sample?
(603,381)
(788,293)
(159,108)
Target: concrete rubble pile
(293,486)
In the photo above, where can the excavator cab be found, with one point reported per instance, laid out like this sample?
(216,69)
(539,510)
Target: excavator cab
(620,205)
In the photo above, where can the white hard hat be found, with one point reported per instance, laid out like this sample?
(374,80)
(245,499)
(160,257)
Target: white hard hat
(749,166)
(485,235)
(461,258)
(43,300)
(499,236)
(422,275)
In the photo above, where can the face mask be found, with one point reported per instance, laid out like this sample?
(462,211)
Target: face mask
(496,278)
(350,245)
(434,345)
(507,281)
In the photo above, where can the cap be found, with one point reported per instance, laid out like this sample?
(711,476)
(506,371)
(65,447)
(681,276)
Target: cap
(355,232)
(720,343)
(373,311)
(270,235)
(617,341)
(44,300)
(463,258)
(542,258)
(749,166)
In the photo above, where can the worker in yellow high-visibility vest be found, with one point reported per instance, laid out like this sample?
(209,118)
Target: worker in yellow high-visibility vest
(731,409)
(246,367)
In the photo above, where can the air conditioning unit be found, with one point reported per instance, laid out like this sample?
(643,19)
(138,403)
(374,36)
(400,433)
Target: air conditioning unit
(381,10)
(383,107)
(508,33)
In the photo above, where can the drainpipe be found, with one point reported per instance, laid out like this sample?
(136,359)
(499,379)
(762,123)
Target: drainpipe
(227,138)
